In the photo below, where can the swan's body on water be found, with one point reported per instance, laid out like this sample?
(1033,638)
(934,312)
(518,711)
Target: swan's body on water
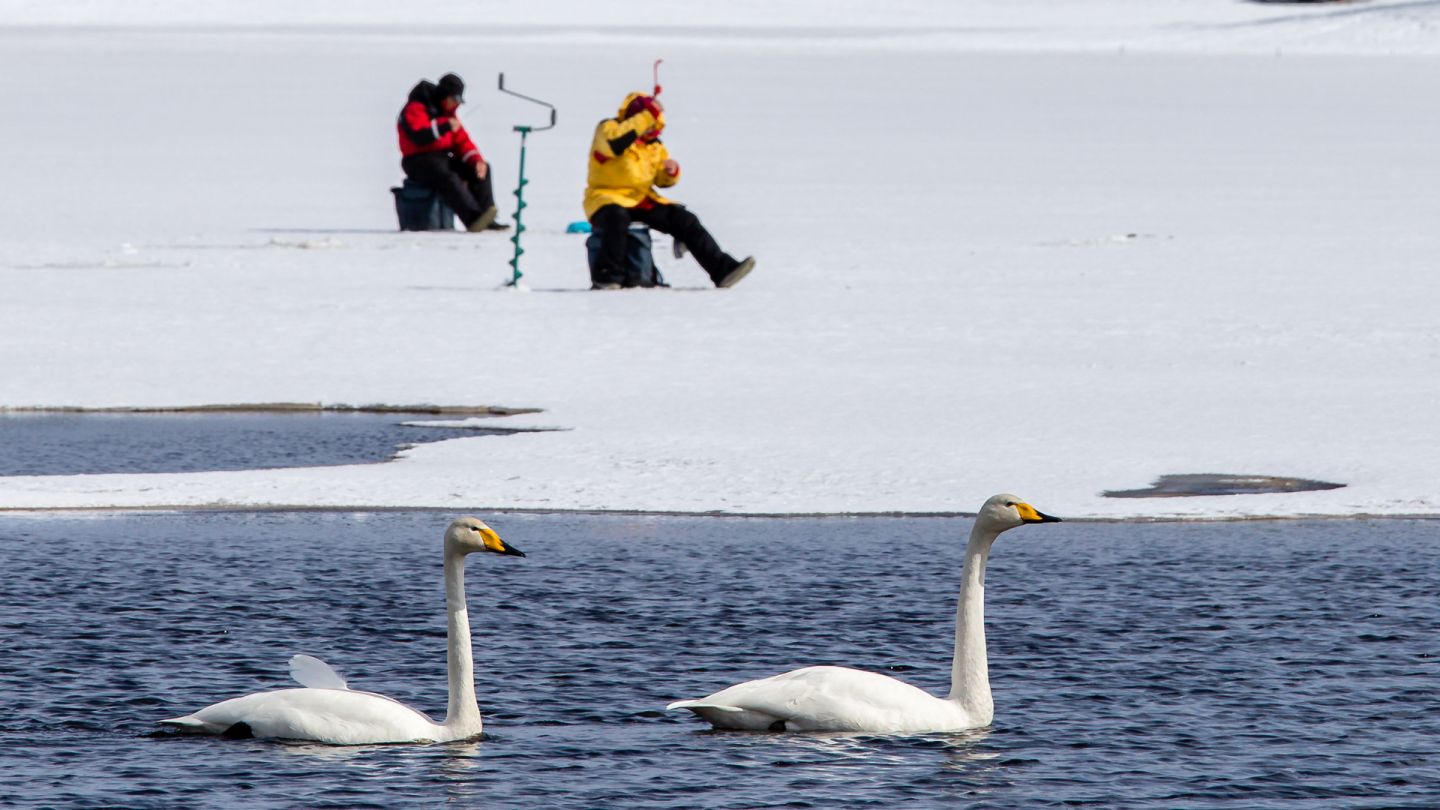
(327,710)
(830,698)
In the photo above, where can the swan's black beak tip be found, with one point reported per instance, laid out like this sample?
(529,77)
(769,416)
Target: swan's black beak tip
(1041,517)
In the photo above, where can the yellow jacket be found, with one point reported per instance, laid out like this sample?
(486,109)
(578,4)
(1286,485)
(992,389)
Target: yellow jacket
(624,169)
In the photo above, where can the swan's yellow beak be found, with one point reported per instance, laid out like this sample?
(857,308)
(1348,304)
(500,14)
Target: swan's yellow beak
(494,543)
(1030,514)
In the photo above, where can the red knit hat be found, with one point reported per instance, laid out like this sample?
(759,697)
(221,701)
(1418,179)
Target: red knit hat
(635,102)
(640,101)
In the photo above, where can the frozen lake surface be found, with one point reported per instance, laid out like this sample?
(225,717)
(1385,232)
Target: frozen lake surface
(1249,664)
(989,259)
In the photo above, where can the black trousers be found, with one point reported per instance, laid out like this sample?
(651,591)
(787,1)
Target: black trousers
(454,181)
(613,221)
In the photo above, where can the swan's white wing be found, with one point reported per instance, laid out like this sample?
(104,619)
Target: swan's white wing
(337,716)
(828,699)
(307,670)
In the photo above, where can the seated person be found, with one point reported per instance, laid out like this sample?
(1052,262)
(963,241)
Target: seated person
(437,152)
(627,162)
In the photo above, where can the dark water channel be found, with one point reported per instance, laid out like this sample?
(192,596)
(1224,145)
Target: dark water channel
(1259,664)
(76,443)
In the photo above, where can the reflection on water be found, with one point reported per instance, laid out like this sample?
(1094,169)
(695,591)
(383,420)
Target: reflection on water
(1158,665)
(966,752)
(961,751)
(460,758)
(355,754)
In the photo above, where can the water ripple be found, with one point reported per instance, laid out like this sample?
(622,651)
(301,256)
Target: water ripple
(1180,665)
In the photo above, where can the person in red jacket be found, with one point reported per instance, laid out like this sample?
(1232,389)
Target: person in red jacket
(436,151)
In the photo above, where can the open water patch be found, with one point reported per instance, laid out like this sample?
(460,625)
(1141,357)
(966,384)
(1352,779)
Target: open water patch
(1198,484)
(1256,665)
(79,442)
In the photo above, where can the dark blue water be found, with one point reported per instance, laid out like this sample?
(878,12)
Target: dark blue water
(1261,664)
(73,443)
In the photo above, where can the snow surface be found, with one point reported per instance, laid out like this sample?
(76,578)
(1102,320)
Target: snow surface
(1006,245)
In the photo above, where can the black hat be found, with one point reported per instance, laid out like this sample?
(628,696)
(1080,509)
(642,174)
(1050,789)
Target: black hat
(451,86)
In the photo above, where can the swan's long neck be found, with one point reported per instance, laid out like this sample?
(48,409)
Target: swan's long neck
(970,673)
(463,716)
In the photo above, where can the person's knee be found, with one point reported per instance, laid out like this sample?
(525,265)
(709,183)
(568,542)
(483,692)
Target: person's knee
(684,220)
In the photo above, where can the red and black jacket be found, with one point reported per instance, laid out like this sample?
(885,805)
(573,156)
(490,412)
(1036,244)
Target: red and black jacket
(423,127)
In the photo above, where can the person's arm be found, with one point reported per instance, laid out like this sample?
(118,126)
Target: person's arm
(420,128)
(461,145)
(616,135)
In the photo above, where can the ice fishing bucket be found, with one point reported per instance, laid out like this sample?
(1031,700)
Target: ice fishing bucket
(419,208)
(637,255)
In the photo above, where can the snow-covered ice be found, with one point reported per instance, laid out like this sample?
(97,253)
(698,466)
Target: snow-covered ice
(1048,247)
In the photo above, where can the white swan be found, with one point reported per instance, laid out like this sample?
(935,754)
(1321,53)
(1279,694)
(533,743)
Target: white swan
(843,699)
(328,711)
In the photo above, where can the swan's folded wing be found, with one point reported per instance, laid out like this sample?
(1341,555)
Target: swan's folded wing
(335,716)
(823,698)
(307,670)
(824,695)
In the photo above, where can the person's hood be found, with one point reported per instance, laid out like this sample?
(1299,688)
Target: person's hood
(630,99)
(625,105)
(424,92)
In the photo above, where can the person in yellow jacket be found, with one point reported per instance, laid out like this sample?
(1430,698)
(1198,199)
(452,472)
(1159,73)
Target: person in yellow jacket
(627,162)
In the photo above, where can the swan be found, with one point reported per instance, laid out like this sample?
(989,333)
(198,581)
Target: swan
(327,710)
(828,698)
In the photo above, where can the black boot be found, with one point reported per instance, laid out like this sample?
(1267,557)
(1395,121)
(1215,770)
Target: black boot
(741,270)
